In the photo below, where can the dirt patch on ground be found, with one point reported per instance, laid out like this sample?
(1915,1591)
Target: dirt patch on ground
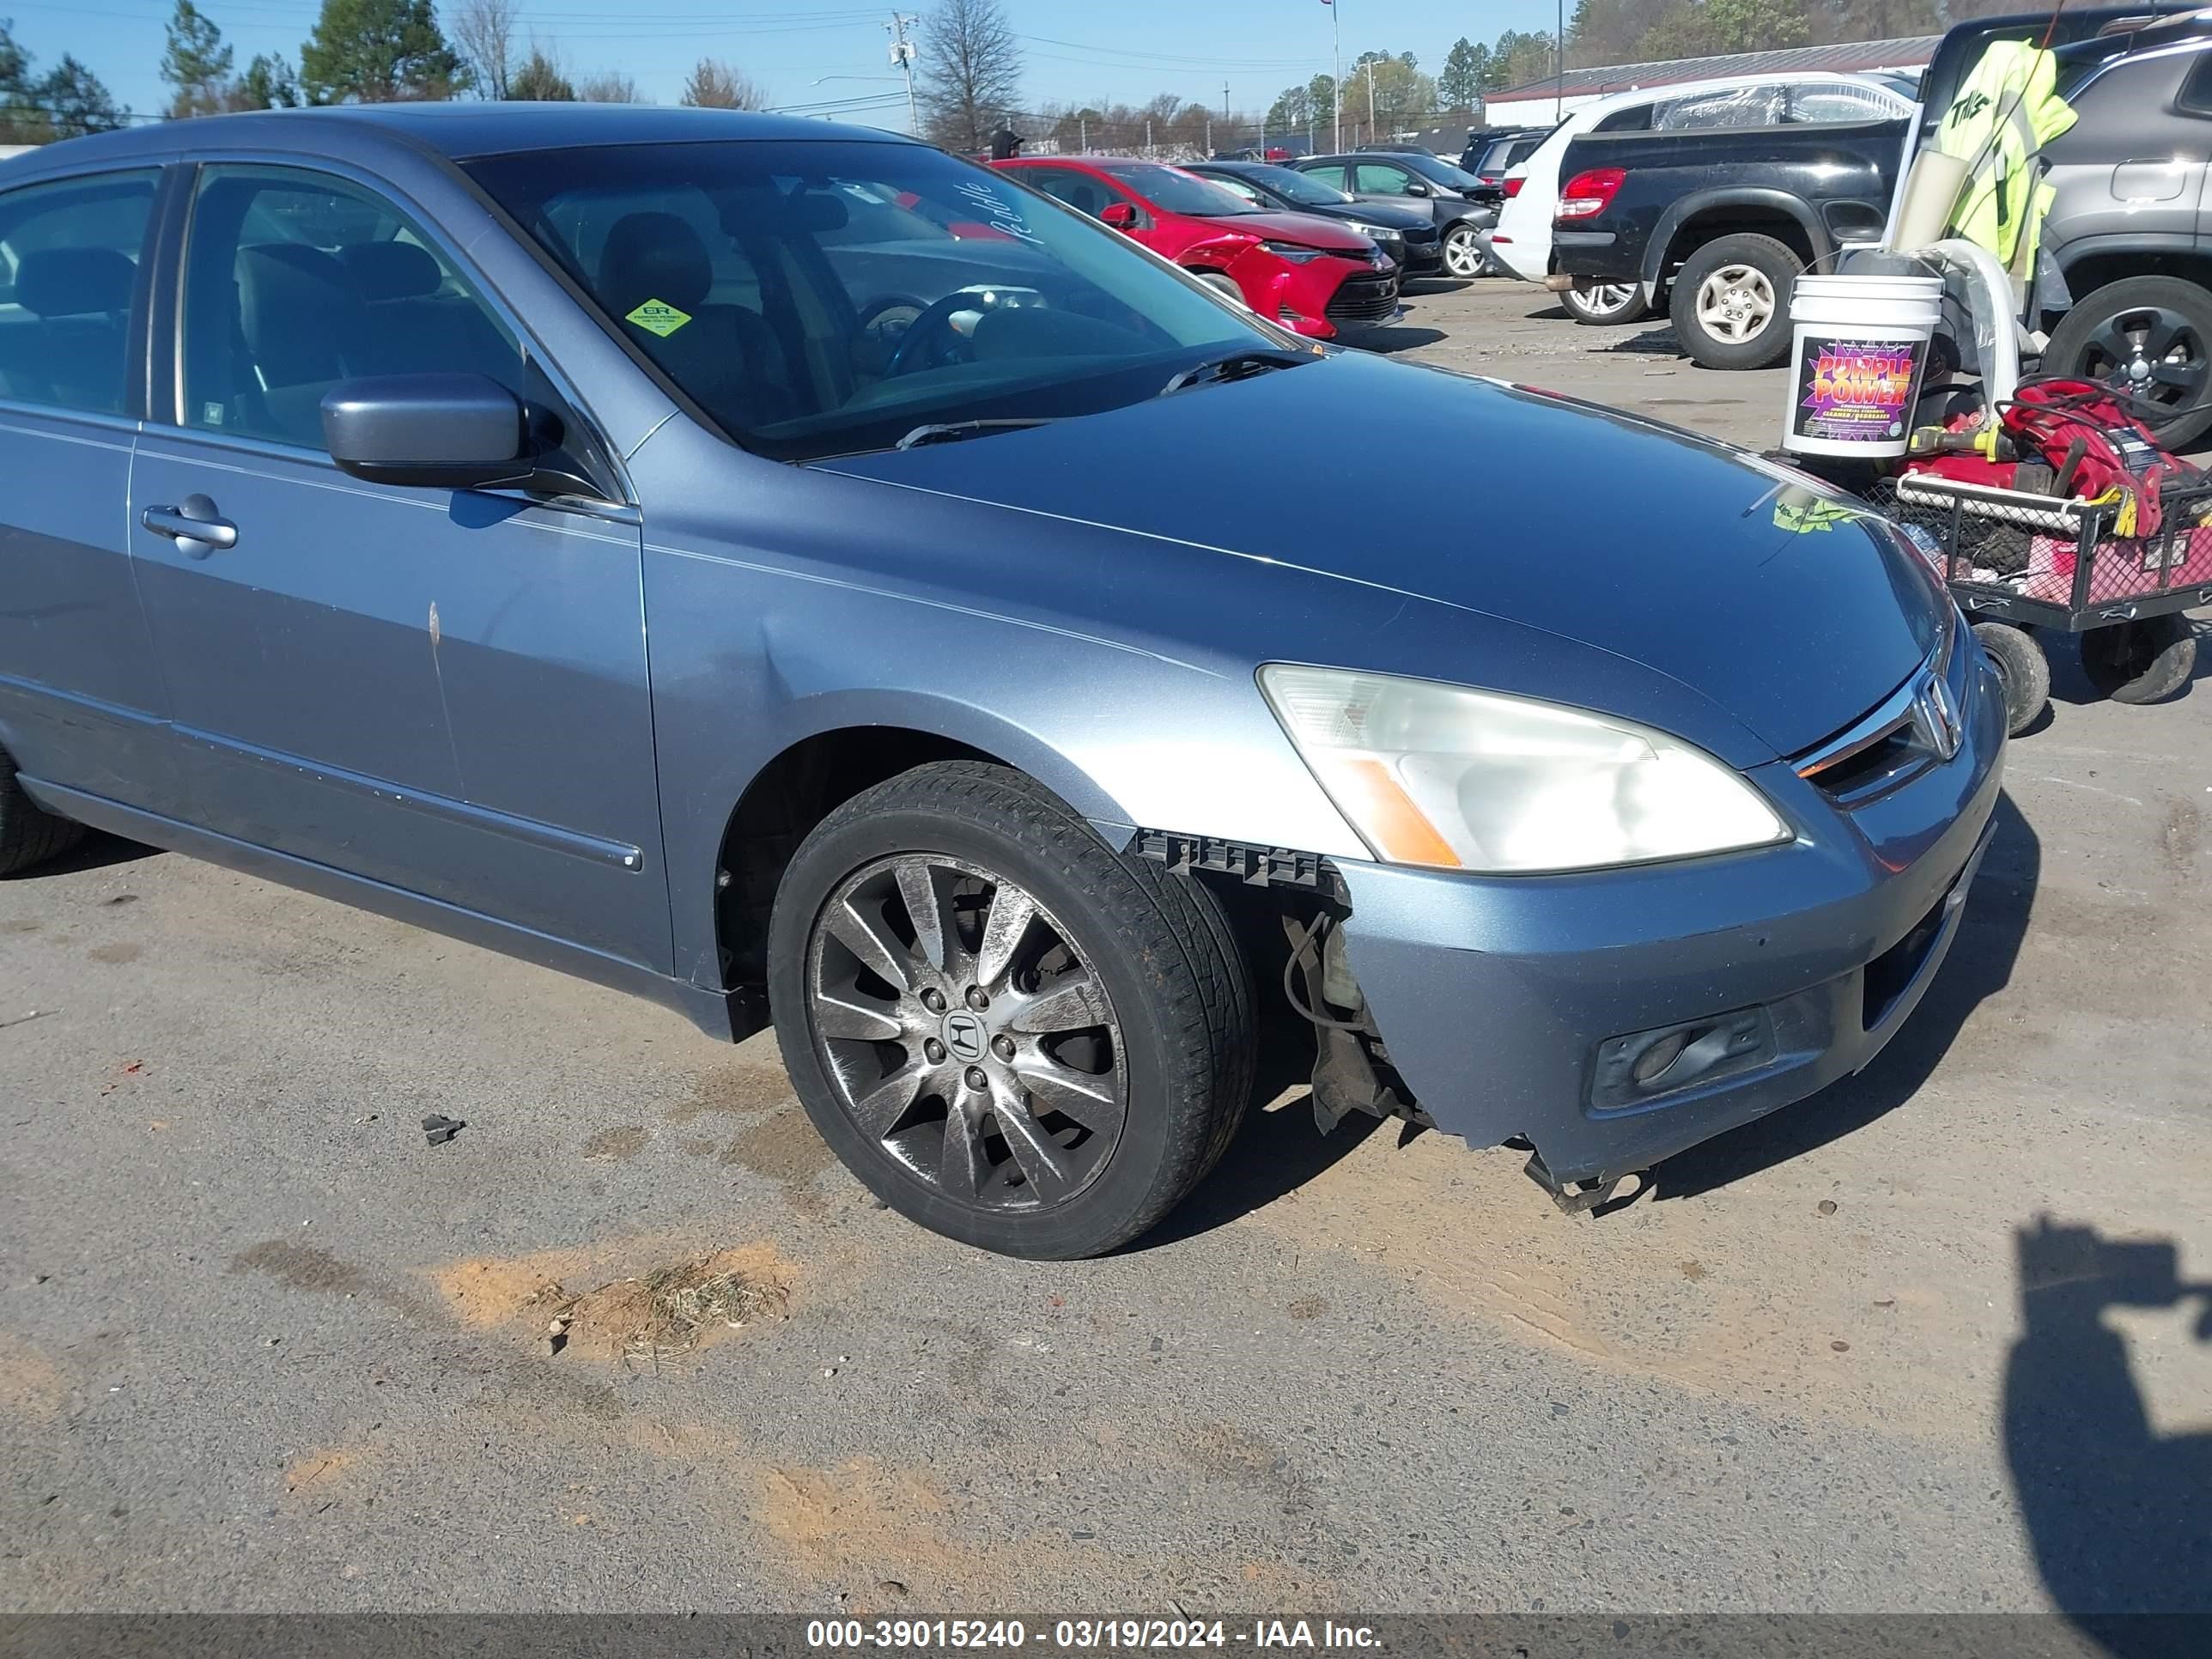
(303,1267)
(31,1384)
(484,1292)
(115,954)
(317,1478)
(620,1145)
(676,1309)
(786,1150)
(667,1307)
(861,1524)
(1740,1296)
(734,1091)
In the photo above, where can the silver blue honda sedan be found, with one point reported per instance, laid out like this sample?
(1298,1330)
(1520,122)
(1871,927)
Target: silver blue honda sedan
(797,576)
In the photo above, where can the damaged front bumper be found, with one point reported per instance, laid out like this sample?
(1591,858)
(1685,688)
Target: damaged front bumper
(1614,1017)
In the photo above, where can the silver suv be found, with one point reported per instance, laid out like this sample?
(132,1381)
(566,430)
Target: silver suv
(2128,226)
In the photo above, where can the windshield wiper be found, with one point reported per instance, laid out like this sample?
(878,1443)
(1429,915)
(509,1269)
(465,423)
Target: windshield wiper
(1234,367)
(951,432)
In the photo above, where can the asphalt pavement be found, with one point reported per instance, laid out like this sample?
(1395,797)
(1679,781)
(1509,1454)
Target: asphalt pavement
(1925,1342)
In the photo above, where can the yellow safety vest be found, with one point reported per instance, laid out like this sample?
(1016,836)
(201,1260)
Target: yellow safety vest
(2004,114)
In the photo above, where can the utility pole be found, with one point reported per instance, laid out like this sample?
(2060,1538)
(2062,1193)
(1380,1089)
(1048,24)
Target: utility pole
(1224,111)
(1559,65)
(903,60)
(1148,137)
(1371,97)
(1336,80)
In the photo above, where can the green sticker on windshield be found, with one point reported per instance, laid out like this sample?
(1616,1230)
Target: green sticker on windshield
(659,317)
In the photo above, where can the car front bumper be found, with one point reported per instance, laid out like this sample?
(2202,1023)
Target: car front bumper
(1512,1006)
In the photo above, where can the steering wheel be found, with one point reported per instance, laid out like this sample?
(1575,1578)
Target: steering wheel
(935,319)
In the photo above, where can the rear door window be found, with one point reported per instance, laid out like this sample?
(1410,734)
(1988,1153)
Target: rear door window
(1380,179)
(69,273)
(1080,190)
(1330,174)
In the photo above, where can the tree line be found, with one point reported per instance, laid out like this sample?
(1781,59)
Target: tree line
(367,51)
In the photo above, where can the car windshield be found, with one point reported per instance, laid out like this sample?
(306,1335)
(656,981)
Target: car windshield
(1438,171)
(1173,190)
(822,298)
(1295,187)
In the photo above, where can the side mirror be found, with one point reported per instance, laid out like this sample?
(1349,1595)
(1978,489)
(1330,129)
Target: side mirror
(1120,215)
(446,431)
(1415,187)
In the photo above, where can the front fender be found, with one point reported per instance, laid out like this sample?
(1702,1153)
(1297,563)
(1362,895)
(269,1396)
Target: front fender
(783,602)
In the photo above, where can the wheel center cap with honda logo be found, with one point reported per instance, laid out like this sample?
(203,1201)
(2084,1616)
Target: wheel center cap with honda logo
(964,1036)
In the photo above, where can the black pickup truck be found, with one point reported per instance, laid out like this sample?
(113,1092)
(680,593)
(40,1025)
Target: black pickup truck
(1715,222)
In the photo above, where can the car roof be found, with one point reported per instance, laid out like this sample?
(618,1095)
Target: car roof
(458,132)
(1373,156)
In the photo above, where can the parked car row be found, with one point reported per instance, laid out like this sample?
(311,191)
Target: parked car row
(1313,274)
(1705,202)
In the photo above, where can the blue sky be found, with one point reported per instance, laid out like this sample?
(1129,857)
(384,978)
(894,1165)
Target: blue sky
(1075,49)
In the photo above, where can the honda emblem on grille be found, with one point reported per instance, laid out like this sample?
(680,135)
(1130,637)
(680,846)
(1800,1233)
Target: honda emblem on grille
(1936,717)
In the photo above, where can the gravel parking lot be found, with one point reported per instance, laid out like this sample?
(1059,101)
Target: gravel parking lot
(262,1348)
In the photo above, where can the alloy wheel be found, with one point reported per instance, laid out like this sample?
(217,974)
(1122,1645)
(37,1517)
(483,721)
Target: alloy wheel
(1607,299)
(2150,353)
(1462,253)
(1735,302)
(965,1033)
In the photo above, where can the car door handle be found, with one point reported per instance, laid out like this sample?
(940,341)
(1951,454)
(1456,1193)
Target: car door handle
(195,526)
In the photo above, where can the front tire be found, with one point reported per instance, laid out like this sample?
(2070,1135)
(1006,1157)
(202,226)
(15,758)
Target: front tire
(29,834)
(1730,302)
(1609,302)
(2150,337)
(1224,286)
(1009,1032)
(1463,259)
(2141,661)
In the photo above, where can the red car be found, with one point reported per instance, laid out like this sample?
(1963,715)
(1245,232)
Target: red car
(1309,274)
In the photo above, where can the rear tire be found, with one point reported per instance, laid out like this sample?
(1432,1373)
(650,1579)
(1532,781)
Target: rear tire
(989,1137)
(1730,301)
(2142,661)
(29,834)
(1610,303)
(2023,669)
(2163,322)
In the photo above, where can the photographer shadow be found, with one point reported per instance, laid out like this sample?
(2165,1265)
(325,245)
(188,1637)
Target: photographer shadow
(2118,1516)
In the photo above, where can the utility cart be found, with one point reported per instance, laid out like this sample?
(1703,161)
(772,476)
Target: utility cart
(2019,563)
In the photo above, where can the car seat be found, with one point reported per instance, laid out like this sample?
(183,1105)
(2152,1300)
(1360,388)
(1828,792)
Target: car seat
(726,357)
(304,328)
(77,354)
(416,327)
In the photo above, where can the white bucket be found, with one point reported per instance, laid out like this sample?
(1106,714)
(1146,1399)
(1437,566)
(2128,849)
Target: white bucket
(1859,346)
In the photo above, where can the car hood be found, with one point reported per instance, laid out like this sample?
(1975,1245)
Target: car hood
(1307,229)
(1695,560)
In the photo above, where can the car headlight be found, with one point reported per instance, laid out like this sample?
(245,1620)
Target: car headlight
(1378,233)
(1298,254)
(1454,779)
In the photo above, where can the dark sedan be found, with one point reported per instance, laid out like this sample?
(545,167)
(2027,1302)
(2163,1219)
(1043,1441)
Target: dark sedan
(1407,236)
(1423,183)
